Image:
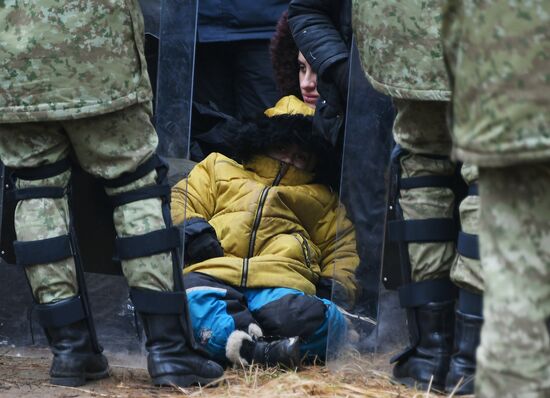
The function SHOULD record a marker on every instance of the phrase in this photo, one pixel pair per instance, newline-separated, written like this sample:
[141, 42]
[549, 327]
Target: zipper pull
[282, 171]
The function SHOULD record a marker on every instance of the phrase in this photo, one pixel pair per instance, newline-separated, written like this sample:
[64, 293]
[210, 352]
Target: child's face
[294, 155]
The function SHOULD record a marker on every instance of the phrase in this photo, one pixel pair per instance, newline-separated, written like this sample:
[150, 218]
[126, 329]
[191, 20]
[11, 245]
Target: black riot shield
[365, 160]
[170, 28]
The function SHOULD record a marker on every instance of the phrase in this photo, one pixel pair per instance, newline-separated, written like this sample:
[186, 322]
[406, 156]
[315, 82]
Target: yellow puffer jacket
[277, 228]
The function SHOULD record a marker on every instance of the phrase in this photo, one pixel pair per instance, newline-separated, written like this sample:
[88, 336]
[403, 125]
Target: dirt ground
[28, 377]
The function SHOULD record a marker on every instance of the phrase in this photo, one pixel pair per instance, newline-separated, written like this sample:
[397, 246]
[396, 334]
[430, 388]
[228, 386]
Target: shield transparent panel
[363, 194]
[174, 88]
[170, 28]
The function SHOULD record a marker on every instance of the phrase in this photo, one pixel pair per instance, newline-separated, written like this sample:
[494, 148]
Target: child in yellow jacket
[261, 250]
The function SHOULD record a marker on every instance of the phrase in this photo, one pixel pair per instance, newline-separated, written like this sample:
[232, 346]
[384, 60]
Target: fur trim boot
[245, 348]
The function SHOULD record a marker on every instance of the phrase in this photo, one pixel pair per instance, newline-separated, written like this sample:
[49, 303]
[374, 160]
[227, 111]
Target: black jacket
[233, 20]
[322, 31]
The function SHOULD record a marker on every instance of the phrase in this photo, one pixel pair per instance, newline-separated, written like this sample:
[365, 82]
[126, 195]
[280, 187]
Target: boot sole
[76, 381]
[181, 381]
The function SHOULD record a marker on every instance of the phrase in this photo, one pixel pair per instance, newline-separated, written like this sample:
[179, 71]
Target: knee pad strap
[145, 245]
[470, 303]
[43, 251]
[156, 302]
[429, 230]
[61, 313]
[44, 171]
[468, 245]
[153, 163]
[419, 293]
[38, 193]
[151, 192]
[39, 173]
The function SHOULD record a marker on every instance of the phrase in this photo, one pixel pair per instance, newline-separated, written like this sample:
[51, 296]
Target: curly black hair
[284, 59]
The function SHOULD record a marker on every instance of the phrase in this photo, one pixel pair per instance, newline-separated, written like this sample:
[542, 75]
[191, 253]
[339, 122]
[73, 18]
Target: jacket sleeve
[335, 237]
[195, 196]
[314, 31]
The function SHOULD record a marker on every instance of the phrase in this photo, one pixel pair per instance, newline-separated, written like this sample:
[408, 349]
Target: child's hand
[202, 247]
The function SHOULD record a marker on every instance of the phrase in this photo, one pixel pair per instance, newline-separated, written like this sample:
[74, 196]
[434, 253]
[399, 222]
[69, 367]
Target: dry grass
[356, 377]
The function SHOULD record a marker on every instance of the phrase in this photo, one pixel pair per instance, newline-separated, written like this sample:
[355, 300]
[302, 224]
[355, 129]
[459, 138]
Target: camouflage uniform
[73, 80]
[498, 56]
[97, 103]
[402, 56]
[106, 146]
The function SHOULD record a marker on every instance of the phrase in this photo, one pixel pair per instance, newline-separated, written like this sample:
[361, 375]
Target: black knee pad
[156, 242]
[400, 232]
[51, 250]
[45, 250]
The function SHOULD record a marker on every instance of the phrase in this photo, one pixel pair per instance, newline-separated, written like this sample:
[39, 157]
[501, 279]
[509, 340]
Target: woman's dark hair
[284, 58]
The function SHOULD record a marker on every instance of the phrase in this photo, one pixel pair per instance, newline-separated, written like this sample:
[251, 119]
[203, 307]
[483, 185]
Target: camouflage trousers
[421, 128]
[513, 359]
[106, 146]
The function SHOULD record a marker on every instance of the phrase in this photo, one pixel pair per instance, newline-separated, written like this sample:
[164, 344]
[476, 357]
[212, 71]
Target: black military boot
[462, 369]
[173, 357]
[245, 349]
[429, 357]
[75, 359]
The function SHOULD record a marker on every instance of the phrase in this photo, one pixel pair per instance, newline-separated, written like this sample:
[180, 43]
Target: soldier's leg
[426, 233]
[119, 148]
[466, 273]
[47, 248]
[514, 356]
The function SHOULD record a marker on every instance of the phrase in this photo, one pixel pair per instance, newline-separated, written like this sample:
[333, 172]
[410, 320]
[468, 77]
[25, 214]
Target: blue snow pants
[217, 309]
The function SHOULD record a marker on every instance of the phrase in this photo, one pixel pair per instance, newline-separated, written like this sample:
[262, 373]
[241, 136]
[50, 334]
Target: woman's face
[308, 82]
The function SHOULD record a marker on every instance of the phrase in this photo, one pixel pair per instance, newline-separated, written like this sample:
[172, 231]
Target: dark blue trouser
[218, 309]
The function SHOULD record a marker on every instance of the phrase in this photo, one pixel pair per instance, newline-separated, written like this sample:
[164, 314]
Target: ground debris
[358, 377]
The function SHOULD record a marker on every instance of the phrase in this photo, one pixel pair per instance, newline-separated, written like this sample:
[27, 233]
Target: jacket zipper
[305, 250]
[263, 196]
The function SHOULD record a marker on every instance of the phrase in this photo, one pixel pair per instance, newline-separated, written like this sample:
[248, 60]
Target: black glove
[330, 289]
[202, 247]
[324, 288]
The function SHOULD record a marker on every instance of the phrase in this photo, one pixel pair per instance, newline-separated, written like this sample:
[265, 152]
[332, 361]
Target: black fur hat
[289, 121]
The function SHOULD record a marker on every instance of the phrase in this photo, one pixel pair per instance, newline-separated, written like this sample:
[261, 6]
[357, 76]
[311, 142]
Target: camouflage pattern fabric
[420, 127]
[498, 56]
[467, 272]
[513, 359]
[105, 146]
[41, 219]
[63, 60]
[400, 47]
